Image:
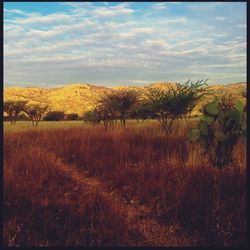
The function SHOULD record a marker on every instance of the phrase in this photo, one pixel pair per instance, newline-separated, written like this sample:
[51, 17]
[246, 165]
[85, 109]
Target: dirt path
[154, 233]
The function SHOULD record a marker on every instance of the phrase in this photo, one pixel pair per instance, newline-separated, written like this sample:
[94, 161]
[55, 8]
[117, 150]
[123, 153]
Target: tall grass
[166, 175]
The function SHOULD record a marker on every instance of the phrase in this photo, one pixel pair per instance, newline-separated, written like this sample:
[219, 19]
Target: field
[74, 184]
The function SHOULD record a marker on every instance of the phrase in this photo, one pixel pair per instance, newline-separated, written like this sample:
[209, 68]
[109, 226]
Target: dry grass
[130, 187]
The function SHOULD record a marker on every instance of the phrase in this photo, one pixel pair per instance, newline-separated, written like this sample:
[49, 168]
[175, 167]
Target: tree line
[20, 110]
[164, 105]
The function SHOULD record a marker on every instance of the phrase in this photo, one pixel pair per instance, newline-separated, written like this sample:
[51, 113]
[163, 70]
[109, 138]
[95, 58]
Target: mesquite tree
[13, 109]
[175, 102]
[142, 111]
[118, 104]
[92, 116]
[35, 113]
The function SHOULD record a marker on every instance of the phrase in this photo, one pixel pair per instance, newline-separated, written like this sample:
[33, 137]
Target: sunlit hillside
[69, 98]
[81, 97]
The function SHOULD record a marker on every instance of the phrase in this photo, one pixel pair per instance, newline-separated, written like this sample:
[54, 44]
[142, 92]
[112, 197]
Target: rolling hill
[80, 97]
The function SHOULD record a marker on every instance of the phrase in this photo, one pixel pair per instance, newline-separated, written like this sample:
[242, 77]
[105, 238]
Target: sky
[48, 44]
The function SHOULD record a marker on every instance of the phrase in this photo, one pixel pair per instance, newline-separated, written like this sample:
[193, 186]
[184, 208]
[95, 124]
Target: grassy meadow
[73, 184]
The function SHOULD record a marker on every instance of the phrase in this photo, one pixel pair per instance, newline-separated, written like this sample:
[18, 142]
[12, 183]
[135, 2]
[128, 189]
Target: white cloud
[172, 20]
[142, 30]
[241, 26]
[140, 82]
[221, 34]
[20, 12]
[220, 18]
[52, 18]
[160, 6]
[113, 10]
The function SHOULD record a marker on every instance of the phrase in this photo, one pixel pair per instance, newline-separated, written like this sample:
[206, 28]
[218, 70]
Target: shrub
[22, 117]
[92, 116]
[54, 116]
[72, 116]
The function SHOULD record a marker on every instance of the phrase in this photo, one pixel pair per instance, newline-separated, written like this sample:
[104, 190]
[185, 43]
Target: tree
[13, 109]
[35, 112]
[118, 104]
[8, 108]
[93, 116]
[174, 103]
[72, 116]
[54, 116]
[142, 111]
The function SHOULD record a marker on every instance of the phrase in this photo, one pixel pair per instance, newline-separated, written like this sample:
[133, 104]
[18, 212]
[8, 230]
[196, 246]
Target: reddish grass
[164, 174]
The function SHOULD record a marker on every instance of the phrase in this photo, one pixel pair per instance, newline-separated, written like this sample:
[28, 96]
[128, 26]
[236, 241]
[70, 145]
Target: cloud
[120, 43]
[172, 20]
[160, 6]
[220, 18]
[142, 30]
[52, 18]
[243, 26]
[20, 12]
[113, 10]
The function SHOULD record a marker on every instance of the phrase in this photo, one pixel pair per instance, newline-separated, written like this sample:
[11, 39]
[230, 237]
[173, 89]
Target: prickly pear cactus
[219, 129]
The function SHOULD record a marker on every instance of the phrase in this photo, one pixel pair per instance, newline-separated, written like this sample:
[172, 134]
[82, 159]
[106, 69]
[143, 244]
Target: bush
[54, 116]
[92, 116]
[72, 116]
[22, 117]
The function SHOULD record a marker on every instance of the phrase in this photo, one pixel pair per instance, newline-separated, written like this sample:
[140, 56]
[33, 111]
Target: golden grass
[82, 186]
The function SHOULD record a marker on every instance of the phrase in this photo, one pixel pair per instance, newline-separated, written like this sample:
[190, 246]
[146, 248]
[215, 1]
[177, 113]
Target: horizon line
[115, 86]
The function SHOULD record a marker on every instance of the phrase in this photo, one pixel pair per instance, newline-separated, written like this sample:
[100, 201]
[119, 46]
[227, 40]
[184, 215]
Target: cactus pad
[239, 106]
[209, 119]
[194, 135]
[212, 109]
[203, 128]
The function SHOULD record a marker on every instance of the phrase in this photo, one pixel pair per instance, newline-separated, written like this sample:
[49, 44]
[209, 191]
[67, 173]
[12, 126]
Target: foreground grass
[129, 187]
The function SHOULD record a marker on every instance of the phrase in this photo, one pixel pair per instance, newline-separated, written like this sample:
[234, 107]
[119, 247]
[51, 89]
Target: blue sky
[130, 43]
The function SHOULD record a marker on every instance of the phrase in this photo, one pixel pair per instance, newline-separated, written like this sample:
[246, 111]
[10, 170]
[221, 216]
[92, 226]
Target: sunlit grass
[27, 125]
